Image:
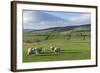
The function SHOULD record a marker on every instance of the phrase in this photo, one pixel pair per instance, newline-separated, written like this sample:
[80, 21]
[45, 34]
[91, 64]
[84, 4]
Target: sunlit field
[73, 47]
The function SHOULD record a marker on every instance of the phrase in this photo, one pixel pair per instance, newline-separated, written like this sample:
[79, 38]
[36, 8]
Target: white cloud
[82, 19]
[35, 20]
[29, 16]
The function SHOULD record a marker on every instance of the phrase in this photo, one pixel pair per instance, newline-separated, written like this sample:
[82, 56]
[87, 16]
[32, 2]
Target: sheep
[34, 51]
[30, 51]
[52, 48]
[55, 50]
[37, 51]
[40, 50]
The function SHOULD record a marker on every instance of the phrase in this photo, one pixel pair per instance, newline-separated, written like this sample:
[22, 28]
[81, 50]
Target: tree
[47, 37]
[69, 36]
[83, 35]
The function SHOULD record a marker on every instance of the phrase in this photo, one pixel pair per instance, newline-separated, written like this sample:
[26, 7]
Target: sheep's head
[52, 48]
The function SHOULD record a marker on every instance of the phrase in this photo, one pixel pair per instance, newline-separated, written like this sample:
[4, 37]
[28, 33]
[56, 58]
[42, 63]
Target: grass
[74, 49]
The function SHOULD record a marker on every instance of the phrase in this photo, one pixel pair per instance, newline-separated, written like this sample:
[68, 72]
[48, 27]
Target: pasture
[73, 47]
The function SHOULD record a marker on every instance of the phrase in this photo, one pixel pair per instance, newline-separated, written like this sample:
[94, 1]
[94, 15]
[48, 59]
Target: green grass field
[75, 48]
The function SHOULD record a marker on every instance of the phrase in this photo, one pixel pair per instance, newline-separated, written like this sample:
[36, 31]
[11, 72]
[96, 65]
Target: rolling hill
[61, 29]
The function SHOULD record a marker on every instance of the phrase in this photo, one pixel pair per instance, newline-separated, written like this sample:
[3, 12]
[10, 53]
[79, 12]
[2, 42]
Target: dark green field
[75, 45]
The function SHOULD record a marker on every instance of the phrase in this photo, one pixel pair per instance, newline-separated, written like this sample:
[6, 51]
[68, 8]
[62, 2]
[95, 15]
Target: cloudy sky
[33, 19]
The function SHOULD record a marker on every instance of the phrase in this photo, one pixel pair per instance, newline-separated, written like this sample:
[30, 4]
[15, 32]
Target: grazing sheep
[52, 48]
[34, 51]
[40, 50]
[29, 51]
[57, 50]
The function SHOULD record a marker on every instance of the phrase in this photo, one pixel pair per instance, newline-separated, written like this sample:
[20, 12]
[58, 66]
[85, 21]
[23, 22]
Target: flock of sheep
[40, 50]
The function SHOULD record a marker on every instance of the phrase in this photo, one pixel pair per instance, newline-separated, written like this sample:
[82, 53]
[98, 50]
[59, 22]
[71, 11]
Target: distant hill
[85, 27]
[27, 30]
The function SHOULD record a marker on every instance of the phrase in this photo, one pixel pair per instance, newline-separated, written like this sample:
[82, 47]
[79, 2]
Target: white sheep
[34, 51]
[52, 48]
[55, 50]
[29, 51]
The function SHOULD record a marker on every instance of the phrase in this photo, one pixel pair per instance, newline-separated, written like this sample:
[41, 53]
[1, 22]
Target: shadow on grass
[53, 54]
[70, 52]
[46, 54]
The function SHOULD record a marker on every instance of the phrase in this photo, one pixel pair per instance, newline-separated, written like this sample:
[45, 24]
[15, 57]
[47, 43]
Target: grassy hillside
[74, 44]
